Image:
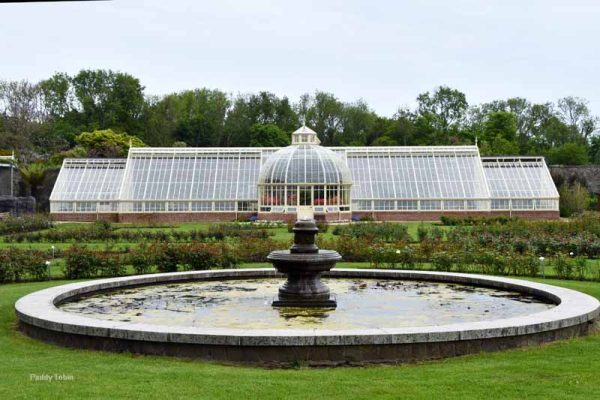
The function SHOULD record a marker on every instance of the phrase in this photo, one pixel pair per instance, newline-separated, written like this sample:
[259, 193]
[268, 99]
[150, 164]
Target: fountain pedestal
[303, 264]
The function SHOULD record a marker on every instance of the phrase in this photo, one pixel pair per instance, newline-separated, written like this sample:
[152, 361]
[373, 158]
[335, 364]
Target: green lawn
[563, 370]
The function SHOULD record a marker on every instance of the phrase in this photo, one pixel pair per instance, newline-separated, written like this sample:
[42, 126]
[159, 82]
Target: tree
[443, 111]
[200, 117]
[264, 108]
[568, 154]
[33, 175]
[21, 107]
[106, 143]
[108, 99]
[574, 112]
[268, 135]
[502, 124]
[58, 95]
[357, 122]
[324, 113]
[384, 140]
[499, 134]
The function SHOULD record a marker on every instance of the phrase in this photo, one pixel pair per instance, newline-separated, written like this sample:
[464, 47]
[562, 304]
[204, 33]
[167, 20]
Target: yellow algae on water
[362, 304]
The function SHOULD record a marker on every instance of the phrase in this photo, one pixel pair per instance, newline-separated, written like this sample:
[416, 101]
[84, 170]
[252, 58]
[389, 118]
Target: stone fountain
[303, 264]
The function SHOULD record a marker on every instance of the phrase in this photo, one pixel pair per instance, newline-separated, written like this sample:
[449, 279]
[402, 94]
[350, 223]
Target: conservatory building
[304, 179]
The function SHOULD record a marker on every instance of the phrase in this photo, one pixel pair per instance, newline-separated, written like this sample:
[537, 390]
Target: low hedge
[17, 265]
[26, 223]
[104, 231]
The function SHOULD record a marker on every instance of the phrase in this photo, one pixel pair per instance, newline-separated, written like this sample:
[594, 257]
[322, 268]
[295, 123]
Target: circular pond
[363, 304]
[382, 316]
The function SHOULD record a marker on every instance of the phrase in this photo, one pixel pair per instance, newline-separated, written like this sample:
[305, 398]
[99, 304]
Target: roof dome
[304, 162]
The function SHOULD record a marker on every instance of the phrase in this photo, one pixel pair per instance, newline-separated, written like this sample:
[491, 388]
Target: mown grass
[563, 370]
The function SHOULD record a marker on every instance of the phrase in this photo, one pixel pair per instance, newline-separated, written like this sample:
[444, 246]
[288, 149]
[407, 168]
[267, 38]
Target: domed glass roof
[304, 163]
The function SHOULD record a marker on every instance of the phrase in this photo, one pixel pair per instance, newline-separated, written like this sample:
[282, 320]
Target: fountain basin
[572, 316]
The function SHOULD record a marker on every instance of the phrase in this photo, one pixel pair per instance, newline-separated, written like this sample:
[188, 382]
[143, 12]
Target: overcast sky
[386, 52]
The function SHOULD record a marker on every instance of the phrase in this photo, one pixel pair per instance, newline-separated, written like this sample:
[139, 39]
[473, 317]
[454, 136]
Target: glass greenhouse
[303, 179]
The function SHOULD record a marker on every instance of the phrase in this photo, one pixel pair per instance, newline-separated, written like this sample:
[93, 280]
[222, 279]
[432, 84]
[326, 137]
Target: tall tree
[442, 111]
[109, 99]
[574, 112]
[325, 115]
[200, 116]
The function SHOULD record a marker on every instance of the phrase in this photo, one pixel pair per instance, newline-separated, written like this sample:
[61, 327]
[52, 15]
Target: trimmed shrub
[141, 259]
[386, 232]
[17, 264]
[80, 262]
[110, 266]
[166, 256]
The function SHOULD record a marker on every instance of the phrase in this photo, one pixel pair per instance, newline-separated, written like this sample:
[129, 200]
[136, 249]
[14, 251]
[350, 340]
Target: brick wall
[184, 217]
[85, 217]
[435, 215]
[290, 217]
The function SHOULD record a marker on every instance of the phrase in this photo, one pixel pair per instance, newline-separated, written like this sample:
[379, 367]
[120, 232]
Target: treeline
[42, 119]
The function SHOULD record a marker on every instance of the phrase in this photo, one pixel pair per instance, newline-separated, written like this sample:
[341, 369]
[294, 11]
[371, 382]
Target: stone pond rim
[303, 264]
[573, 316]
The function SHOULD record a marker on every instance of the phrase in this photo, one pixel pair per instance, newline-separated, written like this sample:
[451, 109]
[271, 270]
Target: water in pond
[362, 303]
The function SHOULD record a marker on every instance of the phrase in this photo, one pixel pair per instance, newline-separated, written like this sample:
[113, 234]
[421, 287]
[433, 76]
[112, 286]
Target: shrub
[457, 221]
[26, 223]
[323, 226]
[256, 250]
[574, 199]
[80, 262]
[166, 256]
[564, 266]
[406, 257]
[199, 256]
[436, 233]
[141, 259]
[387, 231]
[580, 267]
[422, 233]
[17, 264]
[531, 265]
[110, 266]
[441, 261]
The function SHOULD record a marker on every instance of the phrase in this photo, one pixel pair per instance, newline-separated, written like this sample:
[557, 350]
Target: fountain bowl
[572, 314]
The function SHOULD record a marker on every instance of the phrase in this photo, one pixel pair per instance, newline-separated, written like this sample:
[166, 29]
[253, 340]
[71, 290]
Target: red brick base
[153, 217]
[435, 215]
[85, 217]
[291, 217]
[185, 217]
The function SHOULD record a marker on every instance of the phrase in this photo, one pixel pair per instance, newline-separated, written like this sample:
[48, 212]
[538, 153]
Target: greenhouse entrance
[306, 212]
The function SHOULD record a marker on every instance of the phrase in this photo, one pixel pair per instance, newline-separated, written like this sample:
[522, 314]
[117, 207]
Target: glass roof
[89, 179]
[305, 163]
[194, 174]
[518, 177]
[420, 173]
